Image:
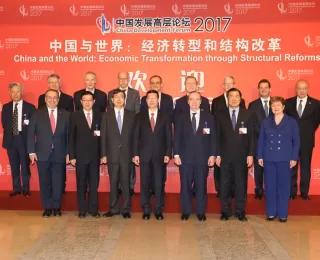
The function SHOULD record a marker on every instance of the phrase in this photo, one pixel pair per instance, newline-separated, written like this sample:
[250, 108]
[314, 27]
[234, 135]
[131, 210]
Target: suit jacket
[6, 120]
[117, 147]
[219, 104]
[279, 143]
[100, 97]
[132, 100]
[183, 106]
[233, 146]
[257, 107]
[65, 102]
[41, 138]
[308, 122]
[194, 149]
[153, 145]
[166, 104]
[84, 146]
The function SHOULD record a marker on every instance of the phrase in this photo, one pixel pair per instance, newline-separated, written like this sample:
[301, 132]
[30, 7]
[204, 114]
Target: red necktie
[52, 122]
[152, 122]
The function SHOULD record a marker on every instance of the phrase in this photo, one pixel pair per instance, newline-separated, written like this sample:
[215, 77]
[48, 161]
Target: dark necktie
[152, 122]
[300, 108]
[194, 123]
[233, 119]
[266, 109]
[15, 130]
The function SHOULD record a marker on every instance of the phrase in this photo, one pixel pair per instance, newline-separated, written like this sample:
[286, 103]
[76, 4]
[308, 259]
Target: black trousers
[216, 176]
[50, 179]
[152, 171]
[119, 173]
[88, 175]
[18, 156]
[305, 157]
[238, 172]
[152, 182]
[258, 178]
[198, 175]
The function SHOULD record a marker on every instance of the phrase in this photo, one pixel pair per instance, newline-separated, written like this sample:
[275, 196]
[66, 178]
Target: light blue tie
[119, 122]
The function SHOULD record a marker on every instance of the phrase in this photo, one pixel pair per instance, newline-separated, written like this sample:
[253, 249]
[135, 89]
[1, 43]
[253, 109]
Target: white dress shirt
[197, 117]
[55, 114]
[91, 90]
[116, 111]
[304, 103]
[154, 116]
[19, 107]
[263, 99]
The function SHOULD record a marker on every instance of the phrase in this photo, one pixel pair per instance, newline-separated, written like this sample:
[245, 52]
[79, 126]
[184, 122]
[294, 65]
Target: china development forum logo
[103, 24]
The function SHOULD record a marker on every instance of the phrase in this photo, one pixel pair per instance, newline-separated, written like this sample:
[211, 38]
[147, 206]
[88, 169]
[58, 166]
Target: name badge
[243, 130]
[96, 133]
[206, 131]
[26, 122]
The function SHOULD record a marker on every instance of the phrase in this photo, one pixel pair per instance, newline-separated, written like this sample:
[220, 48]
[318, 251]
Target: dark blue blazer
[166, 104]
[279, 143]
[194, 149]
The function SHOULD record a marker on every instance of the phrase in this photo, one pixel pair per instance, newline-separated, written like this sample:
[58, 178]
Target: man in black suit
[305, 110]
[261, 109]
[165, 106]
[84, 154]
[100, 97]
[152, 150]
[220, 103]
[15, 122]
[235, 150]
[48, 145]
[132, 103]
[117, 128]
[194, 150]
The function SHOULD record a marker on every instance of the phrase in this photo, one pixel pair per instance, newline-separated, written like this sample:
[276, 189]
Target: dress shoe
[81, 215]
[292, 197]
[232, 195]
[126, 215]
[110, 214]
[185, 216]
[271, 218]
[305, 196]
[258, 197]
[26, 193]
[283, 220]
[57, 212]
[47, 213]
[218, 195]
[193, 194]
[152, 193]
[119, 191]
[224, 217]
[146, 216]
[132, 193]
[14, 193]
[95, 214]
[201, 217]
[159, 216]
[242, 217]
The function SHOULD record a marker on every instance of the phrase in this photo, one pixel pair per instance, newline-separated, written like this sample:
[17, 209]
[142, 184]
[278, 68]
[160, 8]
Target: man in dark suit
[235, 150]
[194, 150]
[165, 106]
[100, 97]
[84, 154]
[261, 109]
[48, 145]
[15, 122]
[65, 101]
[117, 128]
[305, 110]
[132, 103]
[220, 103]
[152, 150]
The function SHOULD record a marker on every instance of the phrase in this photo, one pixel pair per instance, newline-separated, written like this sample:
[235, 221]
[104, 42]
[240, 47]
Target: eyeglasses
[86, 100]
[52, 98]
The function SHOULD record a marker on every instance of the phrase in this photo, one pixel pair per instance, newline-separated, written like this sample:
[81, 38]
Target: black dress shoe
[232, 195]
[26, 193]
[242, 217]
[14, 193]
[57, 212]
[185, 216]
[47, 213]
[201, 217]
[305, 196]
[110, 214]
[193, 194]
[132, 193]
[126, 215]
[95, 214]
[258, 197]
[81, 215]
[271, 218]
[292, 197]
[152, 193]
[218, 195]
[159, 216]
[146, 216]
[224, 217]
[119, 191]
[283, 220]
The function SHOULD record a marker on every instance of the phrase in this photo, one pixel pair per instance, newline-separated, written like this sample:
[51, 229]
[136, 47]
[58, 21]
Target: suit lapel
[84, 119]
[47, 119]
[24, 112]
[306, 108]
[115, 123]
[227, 114]
[11, 111]
[158, 121]
[239, 119]
[128, 97]
[201, 123]
[295, 107]
[223, 103]
[124, 122]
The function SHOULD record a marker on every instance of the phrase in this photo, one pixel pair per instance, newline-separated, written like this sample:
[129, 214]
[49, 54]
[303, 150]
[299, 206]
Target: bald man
[306, 111]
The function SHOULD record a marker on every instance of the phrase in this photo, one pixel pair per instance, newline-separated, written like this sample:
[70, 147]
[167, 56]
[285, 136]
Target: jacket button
[271, 141]
[279, 142]
[279, 135]
[278, 148]
[120, 146]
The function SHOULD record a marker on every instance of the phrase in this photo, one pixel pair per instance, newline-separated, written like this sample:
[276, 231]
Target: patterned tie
[194, 123]
[89, 120]
[234, 120]
[152, 122]
[52, 122]
[15, 130]
[119, 121]
[300, 108]
[266, 109]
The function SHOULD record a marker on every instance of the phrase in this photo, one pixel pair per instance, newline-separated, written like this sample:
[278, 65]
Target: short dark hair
[264, 81]
[234, 90]
[117, 91]
[154, 92]
[87, 93]
[194, 92]
[156, 76]
[51, 90]
[277, 99]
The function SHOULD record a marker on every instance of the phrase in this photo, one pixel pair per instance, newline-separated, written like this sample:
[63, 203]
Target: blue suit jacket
[278, 143]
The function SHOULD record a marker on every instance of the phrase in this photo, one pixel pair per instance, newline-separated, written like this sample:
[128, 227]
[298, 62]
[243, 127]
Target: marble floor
[26, 235]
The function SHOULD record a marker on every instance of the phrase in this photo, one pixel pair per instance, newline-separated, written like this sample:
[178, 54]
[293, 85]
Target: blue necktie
[266, 109]
[119, 121]
[233, 119]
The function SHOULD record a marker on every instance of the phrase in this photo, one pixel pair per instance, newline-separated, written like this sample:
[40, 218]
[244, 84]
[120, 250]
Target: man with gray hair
[15, 121]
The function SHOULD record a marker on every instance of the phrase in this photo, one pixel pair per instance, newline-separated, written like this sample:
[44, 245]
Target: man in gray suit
[132, 103]
[47, 143]
[117, 128]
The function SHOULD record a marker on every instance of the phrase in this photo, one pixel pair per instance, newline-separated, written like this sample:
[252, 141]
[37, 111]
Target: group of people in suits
[118, 130]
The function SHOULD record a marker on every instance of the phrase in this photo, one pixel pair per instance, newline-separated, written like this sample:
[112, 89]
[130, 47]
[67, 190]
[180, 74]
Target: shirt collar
[236, 109]
[304, 99]
[85, 112]
[117, 110]
[19, 103]
[155, 112]
[263, 99]
[191, 112]
[91, 90]
[54, 109]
